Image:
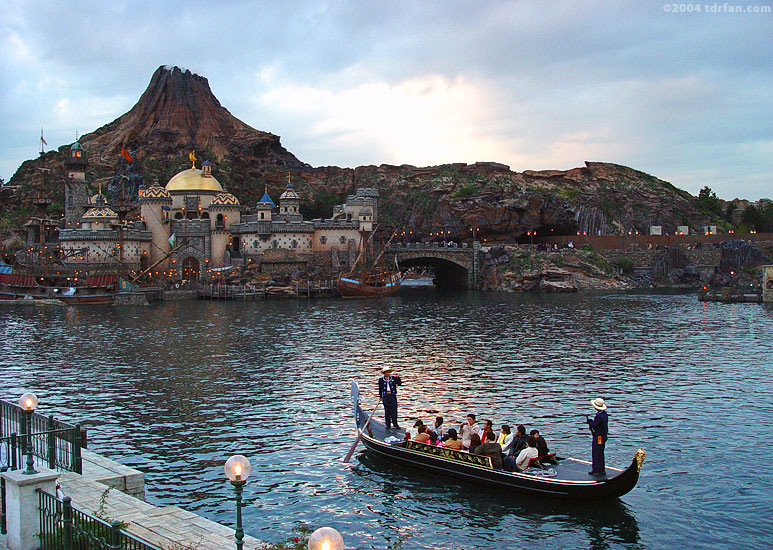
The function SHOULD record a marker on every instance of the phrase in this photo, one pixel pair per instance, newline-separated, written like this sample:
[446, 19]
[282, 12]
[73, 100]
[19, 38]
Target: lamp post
[326, 538]
[237, 470]
[28, 402]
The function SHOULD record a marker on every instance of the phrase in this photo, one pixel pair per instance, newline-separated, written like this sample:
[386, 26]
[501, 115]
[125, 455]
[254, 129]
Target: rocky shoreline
[516, 268]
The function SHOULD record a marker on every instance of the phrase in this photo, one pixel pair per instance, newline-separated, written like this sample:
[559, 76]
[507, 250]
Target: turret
[75, 190]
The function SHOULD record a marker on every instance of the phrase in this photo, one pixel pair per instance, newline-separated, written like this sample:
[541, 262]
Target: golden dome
[192, 180]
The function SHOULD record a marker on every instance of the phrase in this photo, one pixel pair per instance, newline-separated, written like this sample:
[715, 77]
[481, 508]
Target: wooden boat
[369, 283]
[374, 285]
[567, 479]
[26, 284]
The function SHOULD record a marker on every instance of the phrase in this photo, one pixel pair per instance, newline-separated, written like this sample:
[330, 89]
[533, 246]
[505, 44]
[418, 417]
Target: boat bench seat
[538, 461]
[450, 454]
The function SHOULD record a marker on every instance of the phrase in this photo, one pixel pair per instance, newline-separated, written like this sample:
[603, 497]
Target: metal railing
[58, 444]
[64, 527]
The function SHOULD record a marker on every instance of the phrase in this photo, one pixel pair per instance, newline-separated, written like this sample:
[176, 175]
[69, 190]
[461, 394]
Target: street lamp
[237, 470]
[326, 538]
[28, 402]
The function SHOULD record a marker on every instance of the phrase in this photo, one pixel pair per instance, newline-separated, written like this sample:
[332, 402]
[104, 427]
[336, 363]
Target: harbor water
[176, 388]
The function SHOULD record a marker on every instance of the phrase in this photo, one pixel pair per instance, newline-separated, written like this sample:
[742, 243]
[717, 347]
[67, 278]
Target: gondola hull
[569, 479]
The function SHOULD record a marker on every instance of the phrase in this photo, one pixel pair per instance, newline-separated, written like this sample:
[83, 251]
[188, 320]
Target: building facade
[192, 225]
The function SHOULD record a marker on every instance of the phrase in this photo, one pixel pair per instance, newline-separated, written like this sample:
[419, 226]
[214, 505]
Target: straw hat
[386, 370]
[598, 404]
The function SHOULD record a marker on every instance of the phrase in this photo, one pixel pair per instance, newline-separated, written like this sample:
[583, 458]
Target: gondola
[564, 479]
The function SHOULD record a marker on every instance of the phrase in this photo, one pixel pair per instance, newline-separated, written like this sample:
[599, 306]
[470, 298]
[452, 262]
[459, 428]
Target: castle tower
[289, 203]
[76, 187]
[224, 211]
[264, 207]
[155, 204]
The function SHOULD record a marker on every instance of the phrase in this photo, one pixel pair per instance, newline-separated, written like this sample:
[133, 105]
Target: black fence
[64, 527]
[57, 444]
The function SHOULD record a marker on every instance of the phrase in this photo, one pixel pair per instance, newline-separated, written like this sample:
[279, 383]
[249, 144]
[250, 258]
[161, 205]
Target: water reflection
[520, 517]
[181, 386]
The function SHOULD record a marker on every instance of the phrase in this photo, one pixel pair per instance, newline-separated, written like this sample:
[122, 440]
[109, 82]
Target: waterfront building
[192, 225]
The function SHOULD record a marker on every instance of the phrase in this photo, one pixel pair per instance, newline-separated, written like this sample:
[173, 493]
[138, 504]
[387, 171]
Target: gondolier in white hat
[387, 391]
[599, 427]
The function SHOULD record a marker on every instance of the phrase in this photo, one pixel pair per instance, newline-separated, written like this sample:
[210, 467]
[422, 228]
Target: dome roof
[365, 211]
[224, 199]
[155, 192]
[101, 212]
[76, 145]
[265, 201]
[289, 194]
[192, 180]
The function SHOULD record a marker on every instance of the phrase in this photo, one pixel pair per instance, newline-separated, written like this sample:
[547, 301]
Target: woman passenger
[422, 436]
[452, 441]
[474, 442]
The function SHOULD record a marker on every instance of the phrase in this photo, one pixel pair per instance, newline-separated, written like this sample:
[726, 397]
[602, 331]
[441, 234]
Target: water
[175, 389]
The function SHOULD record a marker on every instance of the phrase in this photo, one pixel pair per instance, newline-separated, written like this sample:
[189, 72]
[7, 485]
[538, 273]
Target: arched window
[262, 215]
[178, 216]
[219, 221]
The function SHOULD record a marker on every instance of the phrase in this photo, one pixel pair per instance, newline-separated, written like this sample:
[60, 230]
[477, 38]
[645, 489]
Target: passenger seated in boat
[474, 442]
[488, 427]
[466, 429]
[542, 446]
[491, 449]
[422, 436]
[413, 432]
[519, 441]
[438, 427]
[452, 441]
[433, 440]
[522, 462]
[506, 439]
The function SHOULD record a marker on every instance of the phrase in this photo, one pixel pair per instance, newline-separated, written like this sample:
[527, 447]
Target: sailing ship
[370, 281]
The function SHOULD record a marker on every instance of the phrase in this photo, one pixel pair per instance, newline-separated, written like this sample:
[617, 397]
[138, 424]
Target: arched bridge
[455, 265]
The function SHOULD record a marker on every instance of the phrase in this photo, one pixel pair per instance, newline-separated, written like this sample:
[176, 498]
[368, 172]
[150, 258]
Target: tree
[709, 203]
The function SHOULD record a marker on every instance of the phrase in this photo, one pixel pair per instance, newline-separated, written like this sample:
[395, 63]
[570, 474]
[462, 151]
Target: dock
[263, 291]
[729, 295]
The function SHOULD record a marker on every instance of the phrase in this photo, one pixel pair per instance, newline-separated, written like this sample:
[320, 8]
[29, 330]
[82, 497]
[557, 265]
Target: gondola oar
[348, 456]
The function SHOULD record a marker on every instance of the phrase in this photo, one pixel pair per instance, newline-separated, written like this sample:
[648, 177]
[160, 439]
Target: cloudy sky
[687, 97]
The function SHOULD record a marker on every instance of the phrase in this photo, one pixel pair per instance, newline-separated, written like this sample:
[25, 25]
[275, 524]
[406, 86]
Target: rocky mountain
[178, 113]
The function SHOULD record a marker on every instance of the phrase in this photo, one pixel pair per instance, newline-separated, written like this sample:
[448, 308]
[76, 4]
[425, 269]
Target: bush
[465, 191]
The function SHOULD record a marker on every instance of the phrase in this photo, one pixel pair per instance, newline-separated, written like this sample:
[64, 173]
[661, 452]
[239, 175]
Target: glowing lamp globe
[326, 538]
[28, 401]
[237, 468]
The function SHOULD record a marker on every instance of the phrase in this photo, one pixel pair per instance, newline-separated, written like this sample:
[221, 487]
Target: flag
[43, 141]
[172, 238]
[126, 154]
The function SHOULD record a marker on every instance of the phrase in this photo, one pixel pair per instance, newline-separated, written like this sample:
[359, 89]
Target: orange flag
[126, 154]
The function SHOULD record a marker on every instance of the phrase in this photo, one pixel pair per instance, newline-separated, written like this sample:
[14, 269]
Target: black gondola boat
[566, 479]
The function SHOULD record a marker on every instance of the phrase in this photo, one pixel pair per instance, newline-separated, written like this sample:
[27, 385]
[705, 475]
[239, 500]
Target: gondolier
[599, 427]
[387, 391]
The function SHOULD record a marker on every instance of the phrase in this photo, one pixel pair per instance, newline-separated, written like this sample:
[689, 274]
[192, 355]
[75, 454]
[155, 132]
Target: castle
[192, 226]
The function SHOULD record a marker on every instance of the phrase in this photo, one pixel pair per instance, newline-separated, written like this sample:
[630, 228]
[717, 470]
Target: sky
[681, 91]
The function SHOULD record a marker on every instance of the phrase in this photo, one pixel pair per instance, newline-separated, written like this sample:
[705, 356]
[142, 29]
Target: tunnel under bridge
[455, 266]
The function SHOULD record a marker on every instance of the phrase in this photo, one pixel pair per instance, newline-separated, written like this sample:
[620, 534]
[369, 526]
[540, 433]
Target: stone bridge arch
[454, 267]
